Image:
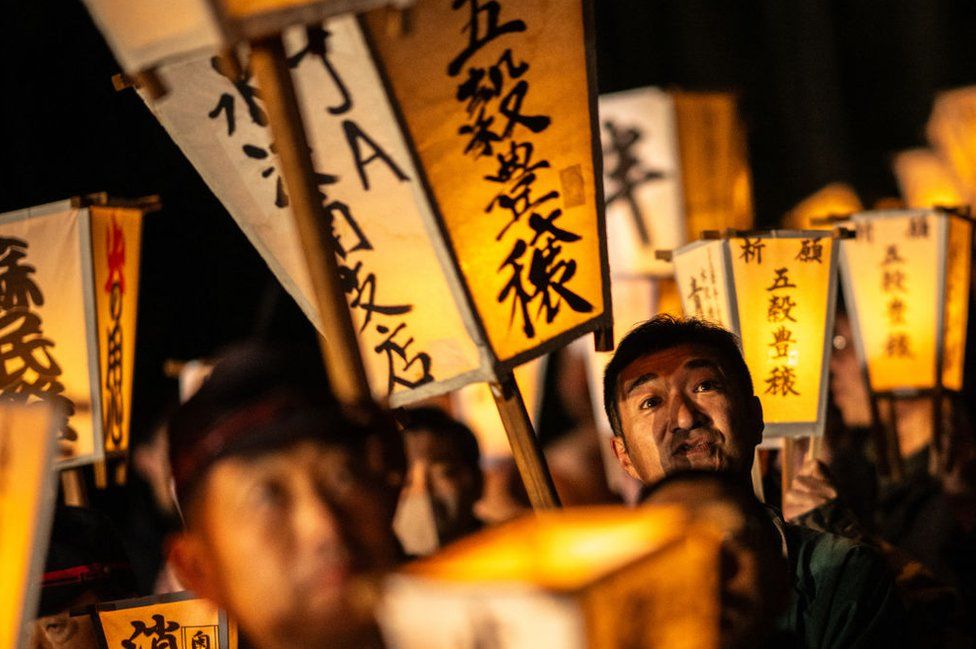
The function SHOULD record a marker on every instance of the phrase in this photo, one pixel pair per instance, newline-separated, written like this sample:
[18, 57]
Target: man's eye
[271, 494]
[708, 386]
[650, 402]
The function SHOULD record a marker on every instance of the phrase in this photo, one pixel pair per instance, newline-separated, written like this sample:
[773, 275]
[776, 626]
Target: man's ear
[623, 456]
[194, 565]
[754, 420]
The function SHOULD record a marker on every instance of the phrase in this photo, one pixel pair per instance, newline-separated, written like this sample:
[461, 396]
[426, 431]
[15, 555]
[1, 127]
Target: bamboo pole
[340, 347]
[73, 487]
[787, 463]
[529, 459]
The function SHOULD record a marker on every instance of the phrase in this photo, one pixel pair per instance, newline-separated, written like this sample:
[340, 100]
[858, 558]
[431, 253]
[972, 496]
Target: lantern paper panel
[893, 287]
[497, 100]
[703, 279]
[926, 181]
[717, 183]
[176, 621]
[116, 236]
[785, 299]
[952, 131]
[956, 313]
[641, 180]
[596, 578]
[27, 499]
[413, 336]
[147, 33]
[47, 307]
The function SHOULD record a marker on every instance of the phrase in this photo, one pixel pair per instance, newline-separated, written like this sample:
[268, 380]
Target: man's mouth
[696, 448]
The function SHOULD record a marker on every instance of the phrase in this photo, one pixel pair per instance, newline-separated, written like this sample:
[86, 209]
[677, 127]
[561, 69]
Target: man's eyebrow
[639, 381]
[699, 363]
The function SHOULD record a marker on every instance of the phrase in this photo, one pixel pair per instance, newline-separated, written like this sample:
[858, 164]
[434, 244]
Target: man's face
[678, 411]
[846, 378]
[63, 631]
[437, 470]
[279, 540]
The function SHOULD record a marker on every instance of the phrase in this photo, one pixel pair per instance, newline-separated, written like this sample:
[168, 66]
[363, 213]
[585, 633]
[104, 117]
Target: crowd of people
[290, 508]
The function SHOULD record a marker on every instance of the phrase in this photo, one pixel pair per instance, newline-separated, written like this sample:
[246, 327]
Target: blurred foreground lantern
[174, 621]
[27, 492]
[926, 181]
[584, 578]
[69, 290]
[952, 131]
[776, 291]
[906, 287]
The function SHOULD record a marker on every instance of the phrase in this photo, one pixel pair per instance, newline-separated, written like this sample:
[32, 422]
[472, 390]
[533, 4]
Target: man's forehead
[665, 362]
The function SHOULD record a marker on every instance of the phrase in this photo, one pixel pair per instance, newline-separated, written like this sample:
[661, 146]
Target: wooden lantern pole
[529, 459]
[340, 347]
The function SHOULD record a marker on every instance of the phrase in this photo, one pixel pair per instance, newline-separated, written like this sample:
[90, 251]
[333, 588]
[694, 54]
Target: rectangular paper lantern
[777, 292]
[69, 283]
[173, 621]
[641, 180]
[597, 578]
[27, 492]
[906, 286]
[498, 100]
[420, 331]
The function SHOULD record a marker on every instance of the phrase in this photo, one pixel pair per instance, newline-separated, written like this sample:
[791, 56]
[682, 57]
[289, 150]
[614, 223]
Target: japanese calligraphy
[28, 370]
[380, 318]
[811, 250]
[159, 635]
[628, 174]
[894, 285]
[752, 250]
[115, 287]
[537, 269]
[781, 379]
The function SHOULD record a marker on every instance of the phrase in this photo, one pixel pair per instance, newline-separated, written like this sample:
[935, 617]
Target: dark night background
[829, 91]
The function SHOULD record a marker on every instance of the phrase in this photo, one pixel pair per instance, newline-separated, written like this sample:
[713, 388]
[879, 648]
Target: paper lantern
[776, 291]
[69, 290]
[926, 181]
[458, 265]
[835, 199]
[906, 287]
[641, 180]
[715, 172]
[597, 578]
[27, 493]
[174, 621]
[952, 131]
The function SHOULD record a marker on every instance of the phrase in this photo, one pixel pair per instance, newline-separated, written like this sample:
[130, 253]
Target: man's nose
[316, 521]
[685, 413]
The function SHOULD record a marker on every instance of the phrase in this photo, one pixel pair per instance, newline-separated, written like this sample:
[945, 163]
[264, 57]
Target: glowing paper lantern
[835, 199]
[641, 180]
[70, 286]
[952, 131]
[776, 291]
[27, 492]
[906, 286]
[443, 289]
[176, 620]
[594, 577]
[926, 181]
[714, 162]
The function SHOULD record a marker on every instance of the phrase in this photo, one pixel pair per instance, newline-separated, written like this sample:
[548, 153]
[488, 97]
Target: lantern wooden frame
[785, 430]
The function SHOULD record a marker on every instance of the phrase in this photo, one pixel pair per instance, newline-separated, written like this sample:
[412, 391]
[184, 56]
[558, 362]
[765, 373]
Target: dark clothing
[844, 595]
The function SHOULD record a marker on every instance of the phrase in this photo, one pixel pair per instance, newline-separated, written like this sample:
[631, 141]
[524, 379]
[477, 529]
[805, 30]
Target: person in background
[679, 396]
[85, 565]
[442, 484]
[754, 581]
[286, 519]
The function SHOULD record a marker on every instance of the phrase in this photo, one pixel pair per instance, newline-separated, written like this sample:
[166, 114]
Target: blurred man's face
[846, 378]
[61, 631]
[754, 583]
[678, 411]
[279, 540]
[438, 471]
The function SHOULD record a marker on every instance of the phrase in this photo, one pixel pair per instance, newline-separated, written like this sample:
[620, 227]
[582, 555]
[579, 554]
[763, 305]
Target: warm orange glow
[925, 180]
[835, 199]
[26, 503]
[701, 274]
[714, 164]
[196, 618]
[952, 131]
[784, 311]
[552, 44]
[958, 268]
[116, 254]
[891, 275]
